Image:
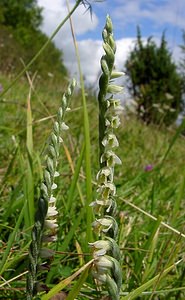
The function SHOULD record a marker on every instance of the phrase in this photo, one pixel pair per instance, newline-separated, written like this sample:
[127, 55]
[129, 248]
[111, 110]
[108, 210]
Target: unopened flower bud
[116, 74]
[114, 89]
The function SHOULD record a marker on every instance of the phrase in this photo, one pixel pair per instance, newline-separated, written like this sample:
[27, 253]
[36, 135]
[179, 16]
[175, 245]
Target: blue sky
[153, 17]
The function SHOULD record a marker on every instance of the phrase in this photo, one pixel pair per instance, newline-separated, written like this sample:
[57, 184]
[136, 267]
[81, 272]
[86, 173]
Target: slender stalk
[87, 141]
[61, 285]
[45, 226]
[107, 269]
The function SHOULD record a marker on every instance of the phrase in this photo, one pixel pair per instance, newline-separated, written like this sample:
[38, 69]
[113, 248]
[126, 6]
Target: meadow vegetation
[150, 199]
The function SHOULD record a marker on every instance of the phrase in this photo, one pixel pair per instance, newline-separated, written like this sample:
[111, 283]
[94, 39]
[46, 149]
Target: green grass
[149, 249]
[150, 203]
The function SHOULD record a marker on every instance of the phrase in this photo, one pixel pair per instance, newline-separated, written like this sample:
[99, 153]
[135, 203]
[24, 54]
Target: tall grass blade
[29, 175]
[176, 135]
[76, 289]
[150, 261]
[29, 135]
[87, 142]
[137, 292]
[74, 181]
[178, 200]
[153, 218]
[72, 231]
[9, 169]
[28, 189]
[80, 253]
[61, 285]
[22, 254]
[3, 264]
[147, 246]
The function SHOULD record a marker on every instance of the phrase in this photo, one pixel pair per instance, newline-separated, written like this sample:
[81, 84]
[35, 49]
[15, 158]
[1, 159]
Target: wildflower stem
[87, 140]
[45, 217]
[106, 253]
[107, 63]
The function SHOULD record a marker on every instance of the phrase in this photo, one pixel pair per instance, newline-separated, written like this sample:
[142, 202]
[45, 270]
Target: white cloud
[91, 50]
[124, 46]
[176, 54]
[82, 23]
[165, 12]
[90, 54]
[56, 11]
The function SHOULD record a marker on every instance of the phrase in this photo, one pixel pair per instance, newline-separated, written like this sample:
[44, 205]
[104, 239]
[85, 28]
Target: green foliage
[10, 51]
[158, 192]
[154, 82]
[21, 39]
[150, 202]
[22, 13]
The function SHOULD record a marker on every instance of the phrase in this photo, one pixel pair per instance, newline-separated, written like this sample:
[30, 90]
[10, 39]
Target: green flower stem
[106, 267]
[107, 63]
[45, 217]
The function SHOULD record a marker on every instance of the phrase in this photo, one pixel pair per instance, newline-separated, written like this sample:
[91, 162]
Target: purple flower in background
[148, 168]
[1, 88]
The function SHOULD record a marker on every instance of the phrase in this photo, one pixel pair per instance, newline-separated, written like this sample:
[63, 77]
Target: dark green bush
[154, 82]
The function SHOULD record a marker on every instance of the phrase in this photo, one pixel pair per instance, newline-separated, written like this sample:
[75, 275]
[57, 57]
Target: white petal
[56, 174]
[110, 140]
[54, 186]
[52, 199]
[117, 160]
[52, 224]
[52, 211]
[64, 126]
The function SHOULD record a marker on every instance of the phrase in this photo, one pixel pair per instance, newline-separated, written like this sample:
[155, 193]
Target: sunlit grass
[147, 246]
[150, 196]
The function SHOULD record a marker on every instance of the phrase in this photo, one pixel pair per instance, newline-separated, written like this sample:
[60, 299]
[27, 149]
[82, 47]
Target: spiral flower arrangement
[45, 227]
[106, 268]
